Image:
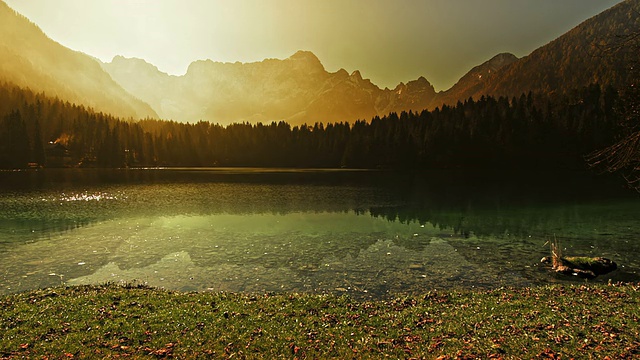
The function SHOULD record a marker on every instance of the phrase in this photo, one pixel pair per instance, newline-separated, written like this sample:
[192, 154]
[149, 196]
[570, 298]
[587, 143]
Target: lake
[369, 234]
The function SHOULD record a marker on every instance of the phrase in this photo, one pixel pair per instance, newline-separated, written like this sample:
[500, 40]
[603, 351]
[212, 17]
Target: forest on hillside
[530, 131]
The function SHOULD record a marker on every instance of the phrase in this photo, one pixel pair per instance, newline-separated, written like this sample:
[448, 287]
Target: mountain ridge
[298, 89]
[576, 59]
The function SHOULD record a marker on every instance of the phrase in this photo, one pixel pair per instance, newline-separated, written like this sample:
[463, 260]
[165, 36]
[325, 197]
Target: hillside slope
[576, 59]
[28, 58]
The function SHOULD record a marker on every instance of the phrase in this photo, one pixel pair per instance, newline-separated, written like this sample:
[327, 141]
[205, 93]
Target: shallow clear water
[365, 233]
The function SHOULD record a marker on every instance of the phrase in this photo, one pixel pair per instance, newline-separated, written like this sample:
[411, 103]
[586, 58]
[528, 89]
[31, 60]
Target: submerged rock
[584, 267]
[598, 265]
[565, 270]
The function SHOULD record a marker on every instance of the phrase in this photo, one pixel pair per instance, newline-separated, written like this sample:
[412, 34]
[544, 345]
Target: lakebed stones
[583, 267]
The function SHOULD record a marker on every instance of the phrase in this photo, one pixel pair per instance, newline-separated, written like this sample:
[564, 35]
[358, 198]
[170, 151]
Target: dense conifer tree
[15, 151]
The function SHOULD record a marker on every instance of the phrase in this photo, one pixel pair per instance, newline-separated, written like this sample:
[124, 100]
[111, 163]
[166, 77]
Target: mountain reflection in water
[366, 233]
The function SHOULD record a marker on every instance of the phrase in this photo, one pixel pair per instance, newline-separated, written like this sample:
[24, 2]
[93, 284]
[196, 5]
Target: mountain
[475, 80]
[574, 60]
[297, 89]
[28, 58]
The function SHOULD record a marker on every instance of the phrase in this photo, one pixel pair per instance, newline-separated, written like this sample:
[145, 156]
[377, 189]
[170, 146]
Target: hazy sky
[387, 40]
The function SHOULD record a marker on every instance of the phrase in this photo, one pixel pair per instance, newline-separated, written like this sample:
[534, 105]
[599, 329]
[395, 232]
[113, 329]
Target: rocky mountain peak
[341, 74]
[304, 55]
[132, 65]
[356, 76]
[501, 60]
[420, 84]
[199, 67]
[306, 59]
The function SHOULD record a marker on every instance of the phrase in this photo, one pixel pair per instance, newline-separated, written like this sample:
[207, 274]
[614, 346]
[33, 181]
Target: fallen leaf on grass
[166, 351]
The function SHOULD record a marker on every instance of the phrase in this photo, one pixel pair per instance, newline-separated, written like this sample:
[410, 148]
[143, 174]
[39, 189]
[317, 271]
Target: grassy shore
[589, 321]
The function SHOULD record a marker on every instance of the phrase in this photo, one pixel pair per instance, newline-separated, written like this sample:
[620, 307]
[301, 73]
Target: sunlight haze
[388, 42]
[324, 179]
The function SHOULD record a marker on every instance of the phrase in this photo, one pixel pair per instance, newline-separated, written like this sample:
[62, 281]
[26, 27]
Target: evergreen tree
[15, 140]
[38, 154]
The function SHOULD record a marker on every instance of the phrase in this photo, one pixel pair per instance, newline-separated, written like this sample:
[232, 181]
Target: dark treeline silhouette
[530, 131]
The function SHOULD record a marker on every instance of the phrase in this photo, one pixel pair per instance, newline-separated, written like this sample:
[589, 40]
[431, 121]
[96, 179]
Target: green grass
[589, 321]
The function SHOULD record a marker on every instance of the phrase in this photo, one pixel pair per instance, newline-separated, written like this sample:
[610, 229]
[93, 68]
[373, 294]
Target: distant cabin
[57, 155]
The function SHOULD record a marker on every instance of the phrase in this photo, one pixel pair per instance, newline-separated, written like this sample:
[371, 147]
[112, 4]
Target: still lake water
[366, 233]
